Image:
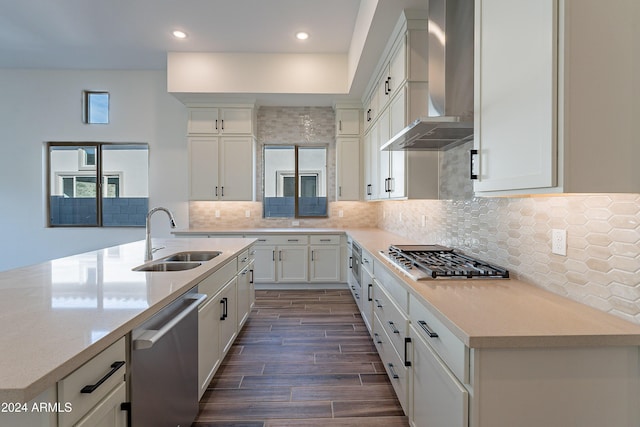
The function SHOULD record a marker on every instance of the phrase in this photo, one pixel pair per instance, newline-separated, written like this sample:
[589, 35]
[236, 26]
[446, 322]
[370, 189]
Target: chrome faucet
[149, 250]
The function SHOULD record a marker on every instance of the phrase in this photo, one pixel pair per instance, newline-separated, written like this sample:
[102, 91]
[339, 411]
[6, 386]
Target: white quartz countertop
[57, 315]
[505, 313]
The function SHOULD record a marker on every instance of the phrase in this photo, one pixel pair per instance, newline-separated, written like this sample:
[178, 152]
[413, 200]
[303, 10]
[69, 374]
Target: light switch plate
[559, 242]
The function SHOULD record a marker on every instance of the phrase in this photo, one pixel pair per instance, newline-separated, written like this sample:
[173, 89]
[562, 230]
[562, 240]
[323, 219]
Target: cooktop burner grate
[434, 261]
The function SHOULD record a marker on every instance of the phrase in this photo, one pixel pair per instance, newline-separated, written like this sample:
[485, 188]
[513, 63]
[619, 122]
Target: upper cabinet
[347, 122]
[555, 99]
[396, 96]
[225, 121]
[221, 153]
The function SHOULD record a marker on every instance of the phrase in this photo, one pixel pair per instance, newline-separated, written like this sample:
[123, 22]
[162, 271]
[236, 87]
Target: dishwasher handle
[150, 337]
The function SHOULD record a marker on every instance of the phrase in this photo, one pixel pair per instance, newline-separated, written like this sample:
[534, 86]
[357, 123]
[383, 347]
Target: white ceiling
[136, 34]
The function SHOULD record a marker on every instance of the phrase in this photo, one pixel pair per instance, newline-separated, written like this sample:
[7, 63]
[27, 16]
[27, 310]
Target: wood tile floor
[304, 358]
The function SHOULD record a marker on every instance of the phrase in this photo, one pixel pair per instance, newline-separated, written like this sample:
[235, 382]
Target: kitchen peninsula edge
[57, 315]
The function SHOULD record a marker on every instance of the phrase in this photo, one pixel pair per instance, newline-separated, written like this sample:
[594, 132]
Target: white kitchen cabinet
[221, 168]
[21, 414]
[556, 102]
[108, 413]
[246, 294]
[325, 263]
[399, 90]
[292, 263]
[347, 122]
[210, 344]
[366, 278]
[214, 121]
[348, 168]
[439, 399]
[281, 259]
[228, 301]
[265, 264]
[288, 259]
[209, 355]
[96, 389]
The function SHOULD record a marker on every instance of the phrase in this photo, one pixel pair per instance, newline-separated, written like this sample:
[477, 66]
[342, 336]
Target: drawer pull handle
[378, 303]
[377, 337]
[251, 279]
[325, 240]
[350, 262]
[407, 341]
[393, 327]
[393, 371]
[262, 240]
[425, 327]
[357, 295]
[292, 240]
[223, 301]
[91, 388]
[369, 289]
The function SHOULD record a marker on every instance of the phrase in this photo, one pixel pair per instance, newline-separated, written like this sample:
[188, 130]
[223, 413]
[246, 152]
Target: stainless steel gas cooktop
[422, 262]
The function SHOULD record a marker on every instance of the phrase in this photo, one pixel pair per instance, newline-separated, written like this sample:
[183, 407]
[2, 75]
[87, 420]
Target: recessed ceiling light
[179, 34]
[301, 35]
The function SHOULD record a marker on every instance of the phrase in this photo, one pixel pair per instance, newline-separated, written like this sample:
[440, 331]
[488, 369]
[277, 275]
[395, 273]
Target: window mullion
[99, 185]
[296, 186]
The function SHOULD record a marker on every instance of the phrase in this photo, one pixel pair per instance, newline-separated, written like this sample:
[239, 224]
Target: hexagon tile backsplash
[602, 266]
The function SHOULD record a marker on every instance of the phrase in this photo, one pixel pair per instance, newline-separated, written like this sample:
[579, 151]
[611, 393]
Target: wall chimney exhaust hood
[450, 100]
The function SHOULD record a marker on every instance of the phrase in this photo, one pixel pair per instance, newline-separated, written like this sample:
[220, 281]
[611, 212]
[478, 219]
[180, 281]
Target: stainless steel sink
[168, 266]
[193, 256]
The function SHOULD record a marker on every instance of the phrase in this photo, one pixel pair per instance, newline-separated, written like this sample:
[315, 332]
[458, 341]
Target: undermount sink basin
[168, 266]
[193, 256]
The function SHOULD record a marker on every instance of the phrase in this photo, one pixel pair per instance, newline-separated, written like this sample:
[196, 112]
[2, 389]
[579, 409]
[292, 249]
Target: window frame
[94, 171]
[297, 176]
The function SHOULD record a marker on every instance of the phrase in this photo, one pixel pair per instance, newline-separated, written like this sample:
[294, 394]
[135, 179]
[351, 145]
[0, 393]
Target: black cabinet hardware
[393, 371]
[407, 341]
[472, 157]
[224, 301]
[426, 328]
[92, 387]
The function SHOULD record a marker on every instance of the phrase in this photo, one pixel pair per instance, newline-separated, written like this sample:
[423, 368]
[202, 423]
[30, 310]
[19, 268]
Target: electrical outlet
[559, 242]
[400, 216]
[424, 221]
[247, 213]
[217, 213]
[340, 213]
[295, 223]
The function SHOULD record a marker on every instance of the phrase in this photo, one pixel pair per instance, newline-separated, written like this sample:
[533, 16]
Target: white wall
[45, 105]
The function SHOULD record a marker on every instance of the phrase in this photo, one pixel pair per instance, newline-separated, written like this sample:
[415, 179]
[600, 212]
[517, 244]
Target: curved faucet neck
[148, 248]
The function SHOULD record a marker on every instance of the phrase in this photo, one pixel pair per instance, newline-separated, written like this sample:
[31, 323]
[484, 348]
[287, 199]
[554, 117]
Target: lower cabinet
[96, 390]
[299, 258]
[440, 382]
[220, 317]
[438, 398]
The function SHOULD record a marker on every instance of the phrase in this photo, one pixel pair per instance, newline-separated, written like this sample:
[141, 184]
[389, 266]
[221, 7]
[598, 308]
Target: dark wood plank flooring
[304, 358]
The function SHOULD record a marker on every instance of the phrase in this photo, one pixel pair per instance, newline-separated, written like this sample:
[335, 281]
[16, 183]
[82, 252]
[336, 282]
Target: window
[97, 184]
[295, 181]
[95, 107]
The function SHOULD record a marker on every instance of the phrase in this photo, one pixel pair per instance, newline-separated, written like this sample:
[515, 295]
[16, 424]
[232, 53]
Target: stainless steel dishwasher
[164, 365]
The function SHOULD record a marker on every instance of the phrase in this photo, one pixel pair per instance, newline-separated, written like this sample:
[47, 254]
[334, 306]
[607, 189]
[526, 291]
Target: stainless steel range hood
[450, 99]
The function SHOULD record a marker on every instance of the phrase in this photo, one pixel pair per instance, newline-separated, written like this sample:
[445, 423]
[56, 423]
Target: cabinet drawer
[213, 283]
[245, 258]
[393, 363]
[367, 261]
[394, 322]
[392, 285]
[446, 345]
[292, 239]
[325, 240]
[96, 369]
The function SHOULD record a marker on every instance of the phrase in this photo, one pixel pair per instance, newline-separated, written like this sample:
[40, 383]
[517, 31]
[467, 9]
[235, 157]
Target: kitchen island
[57, 315]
